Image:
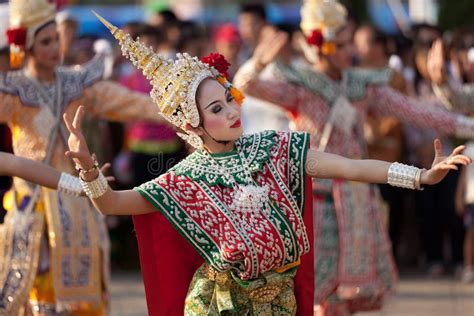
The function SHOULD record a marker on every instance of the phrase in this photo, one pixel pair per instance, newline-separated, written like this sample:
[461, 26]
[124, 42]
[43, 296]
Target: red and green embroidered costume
[242, 250]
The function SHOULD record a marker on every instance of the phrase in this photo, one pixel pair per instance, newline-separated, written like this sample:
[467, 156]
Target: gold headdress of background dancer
[174, 82]
[26, 18]
[320, 22]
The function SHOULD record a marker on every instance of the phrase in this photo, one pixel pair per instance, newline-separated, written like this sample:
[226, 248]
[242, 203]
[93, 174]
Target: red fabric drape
[168, 263]
[304, 280]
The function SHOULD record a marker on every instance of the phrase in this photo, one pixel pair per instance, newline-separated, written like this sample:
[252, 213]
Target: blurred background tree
[358, 8]
[455, 13]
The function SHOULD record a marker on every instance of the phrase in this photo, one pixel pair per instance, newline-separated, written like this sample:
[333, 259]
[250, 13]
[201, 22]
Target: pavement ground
[416, 296]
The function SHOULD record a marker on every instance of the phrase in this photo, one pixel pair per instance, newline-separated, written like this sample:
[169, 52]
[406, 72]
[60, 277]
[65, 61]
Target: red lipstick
[236, 124]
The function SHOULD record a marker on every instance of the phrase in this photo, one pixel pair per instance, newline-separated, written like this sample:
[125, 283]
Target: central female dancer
[238, 200]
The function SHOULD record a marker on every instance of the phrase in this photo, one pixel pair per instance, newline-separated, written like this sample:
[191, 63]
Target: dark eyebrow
[226, 95]
[213, 102]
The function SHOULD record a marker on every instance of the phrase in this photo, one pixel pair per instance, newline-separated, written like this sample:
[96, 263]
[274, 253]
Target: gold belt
[261, 295]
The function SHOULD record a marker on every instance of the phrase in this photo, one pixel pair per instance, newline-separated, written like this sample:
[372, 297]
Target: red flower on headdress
[17, 36]
[217, 61]
[316, 38]
[59, 3]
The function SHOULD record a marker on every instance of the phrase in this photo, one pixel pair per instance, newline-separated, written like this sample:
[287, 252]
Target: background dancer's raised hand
[436, 64]
[272, 42]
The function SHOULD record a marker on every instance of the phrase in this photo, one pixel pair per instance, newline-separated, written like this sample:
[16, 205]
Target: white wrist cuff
[95, 188]
[404, 176]
[69, 185]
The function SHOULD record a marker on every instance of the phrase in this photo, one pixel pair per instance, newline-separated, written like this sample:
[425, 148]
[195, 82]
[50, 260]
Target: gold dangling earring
[192, 139]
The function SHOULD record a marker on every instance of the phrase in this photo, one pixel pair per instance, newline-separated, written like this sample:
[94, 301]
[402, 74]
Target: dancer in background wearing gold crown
[353, 264]
[57, 259]
[238, 200]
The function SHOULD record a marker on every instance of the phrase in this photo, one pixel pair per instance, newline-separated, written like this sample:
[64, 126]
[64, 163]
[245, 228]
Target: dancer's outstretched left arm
[29, 170]
[41, 173]
[385, 101]
[325, 165]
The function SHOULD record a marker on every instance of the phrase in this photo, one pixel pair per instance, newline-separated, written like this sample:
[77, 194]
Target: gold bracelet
[86, 171]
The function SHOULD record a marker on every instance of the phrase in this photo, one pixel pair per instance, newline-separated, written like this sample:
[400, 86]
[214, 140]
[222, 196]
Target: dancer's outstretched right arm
[126, 202]
[9, 107]
[29, 170]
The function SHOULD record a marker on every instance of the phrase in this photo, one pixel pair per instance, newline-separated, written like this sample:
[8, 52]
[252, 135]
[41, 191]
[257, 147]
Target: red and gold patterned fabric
[195, 199]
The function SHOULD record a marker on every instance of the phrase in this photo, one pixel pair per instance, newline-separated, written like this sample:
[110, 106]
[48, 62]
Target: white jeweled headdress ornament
[174, 82]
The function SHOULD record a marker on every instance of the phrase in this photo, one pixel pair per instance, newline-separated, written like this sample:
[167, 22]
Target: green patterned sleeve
[159, 192]
[298, 146]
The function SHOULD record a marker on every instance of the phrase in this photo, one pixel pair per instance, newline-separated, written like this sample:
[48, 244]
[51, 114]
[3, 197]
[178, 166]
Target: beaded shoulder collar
[255, 148]
[357, 80]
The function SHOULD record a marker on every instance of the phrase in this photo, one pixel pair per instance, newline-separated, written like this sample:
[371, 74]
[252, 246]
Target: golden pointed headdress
[26, 17]
[325, 16]
[175, 82]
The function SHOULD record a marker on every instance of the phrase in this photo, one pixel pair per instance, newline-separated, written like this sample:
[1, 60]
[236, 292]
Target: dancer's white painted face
[220, 113]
